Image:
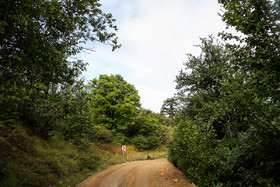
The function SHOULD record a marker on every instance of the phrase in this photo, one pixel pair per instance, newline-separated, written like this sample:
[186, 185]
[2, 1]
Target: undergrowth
[27, 160]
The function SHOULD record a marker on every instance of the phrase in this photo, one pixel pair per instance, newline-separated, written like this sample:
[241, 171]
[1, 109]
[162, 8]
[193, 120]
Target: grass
[27, 160]
[113, 154]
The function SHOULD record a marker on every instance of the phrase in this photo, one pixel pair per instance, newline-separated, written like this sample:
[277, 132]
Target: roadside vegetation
[227, 103]
[29, 160]
[78, 131]
[55, 129]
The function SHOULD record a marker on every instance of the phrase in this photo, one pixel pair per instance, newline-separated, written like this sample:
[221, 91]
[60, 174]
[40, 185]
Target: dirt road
[149, 173]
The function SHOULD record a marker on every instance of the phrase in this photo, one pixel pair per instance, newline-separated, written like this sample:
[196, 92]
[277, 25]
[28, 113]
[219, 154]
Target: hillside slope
[27, 160]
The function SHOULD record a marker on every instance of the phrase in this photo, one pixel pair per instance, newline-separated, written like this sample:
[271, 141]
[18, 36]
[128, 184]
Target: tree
[200, 85]
[202, 117]
[149, 130]
[37, 38]
[114, 102]
[258, 59]
[77, 119]
[229, 128]
[258, 47]
[169, 108]
[145, 122]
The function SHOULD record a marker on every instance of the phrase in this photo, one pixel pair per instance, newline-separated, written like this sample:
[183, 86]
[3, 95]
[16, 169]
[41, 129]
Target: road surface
[148, 173]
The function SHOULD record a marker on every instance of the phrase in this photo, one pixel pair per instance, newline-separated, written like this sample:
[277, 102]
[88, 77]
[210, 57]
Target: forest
[221, 128]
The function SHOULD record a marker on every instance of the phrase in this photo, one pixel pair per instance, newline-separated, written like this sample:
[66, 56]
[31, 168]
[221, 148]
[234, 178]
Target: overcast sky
[155, 35]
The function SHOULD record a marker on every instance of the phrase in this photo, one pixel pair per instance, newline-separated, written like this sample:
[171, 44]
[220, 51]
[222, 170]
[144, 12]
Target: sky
[155, 36]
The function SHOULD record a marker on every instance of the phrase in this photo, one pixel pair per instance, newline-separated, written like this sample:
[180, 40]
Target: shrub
[100, 133]
[120, 138]
[145, 142]
[30, 161]
[254, 161]
[194, 152]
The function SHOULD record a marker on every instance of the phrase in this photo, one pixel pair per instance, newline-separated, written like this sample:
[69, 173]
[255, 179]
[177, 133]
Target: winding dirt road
[149, 173]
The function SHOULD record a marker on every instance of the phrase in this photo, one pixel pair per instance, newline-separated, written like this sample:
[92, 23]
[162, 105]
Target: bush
[145, 142]
[250, 159]
[88, 162]
[100, 133]
[193, 151]
[30, 161]
[254, 161]
[120, 138]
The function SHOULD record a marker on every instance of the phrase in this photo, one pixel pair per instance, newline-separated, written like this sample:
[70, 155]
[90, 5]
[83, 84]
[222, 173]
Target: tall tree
[169, 107]
[37, 38]
[114, 102]
[229, 130]
[76, 115]
[258, 60]
[258, 50]
[199, 85]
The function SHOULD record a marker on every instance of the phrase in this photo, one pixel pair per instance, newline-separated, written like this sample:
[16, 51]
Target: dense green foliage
[115, 106]
[169, 108]
[228, 127]
[40, 96]
[30, 161]
[149, 130]
[37, 38]
[48, 116]
[114, 102]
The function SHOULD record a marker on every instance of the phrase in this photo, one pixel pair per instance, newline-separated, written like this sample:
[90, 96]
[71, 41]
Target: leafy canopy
[114, 101]
[37, 40]
[37, 37]
[229, 129]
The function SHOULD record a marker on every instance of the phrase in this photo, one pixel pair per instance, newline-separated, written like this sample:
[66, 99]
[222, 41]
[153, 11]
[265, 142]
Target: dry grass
[113, 154]
[31, 161]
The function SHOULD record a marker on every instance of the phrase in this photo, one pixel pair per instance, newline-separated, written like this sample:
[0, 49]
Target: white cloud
[150, 97]
[155, 36]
